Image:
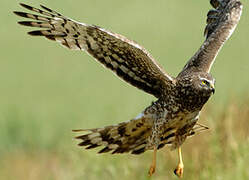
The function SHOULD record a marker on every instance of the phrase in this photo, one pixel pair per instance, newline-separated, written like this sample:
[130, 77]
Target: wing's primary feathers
[126, 58]
[221, 22]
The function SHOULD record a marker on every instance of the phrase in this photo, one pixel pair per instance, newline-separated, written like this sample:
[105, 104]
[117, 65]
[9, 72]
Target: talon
[179, 170]
[153, 165]
[152, 170]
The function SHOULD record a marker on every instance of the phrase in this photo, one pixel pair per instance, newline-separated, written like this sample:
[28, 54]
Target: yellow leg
[179, 169]
[153, 164]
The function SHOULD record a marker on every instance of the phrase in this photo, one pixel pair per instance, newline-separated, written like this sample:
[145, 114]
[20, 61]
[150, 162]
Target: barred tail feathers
[121, 138]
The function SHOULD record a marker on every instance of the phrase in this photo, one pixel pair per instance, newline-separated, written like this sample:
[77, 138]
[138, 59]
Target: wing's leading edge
[126, 58]
[221, 22]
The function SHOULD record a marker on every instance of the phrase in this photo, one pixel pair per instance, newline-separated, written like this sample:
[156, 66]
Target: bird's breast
[176, 130]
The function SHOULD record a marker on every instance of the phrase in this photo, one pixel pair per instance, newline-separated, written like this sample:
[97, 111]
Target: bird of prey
[173, 117]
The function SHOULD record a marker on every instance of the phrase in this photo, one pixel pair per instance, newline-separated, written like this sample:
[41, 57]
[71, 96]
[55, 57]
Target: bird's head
[195, 89]
[205, 83]
[199, 83]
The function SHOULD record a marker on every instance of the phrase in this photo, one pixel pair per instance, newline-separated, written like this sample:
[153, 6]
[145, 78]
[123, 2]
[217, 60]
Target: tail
[125, 137]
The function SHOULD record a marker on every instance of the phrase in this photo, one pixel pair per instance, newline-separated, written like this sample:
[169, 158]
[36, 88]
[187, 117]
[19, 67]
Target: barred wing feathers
[126, 58]
[221, 22]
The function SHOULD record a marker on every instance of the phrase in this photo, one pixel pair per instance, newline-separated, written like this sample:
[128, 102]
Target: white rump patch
[140, 115]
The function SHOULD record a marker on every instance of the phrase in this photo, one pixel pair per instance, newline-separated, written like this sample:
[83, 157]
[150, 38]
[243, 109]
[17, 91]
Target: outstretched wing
[221, 22]
[126, 58]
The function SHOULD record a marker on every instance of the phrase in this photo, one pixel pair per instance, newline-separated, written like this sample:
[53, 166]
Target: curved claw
[152, 170]
[153, 165]
[179, 170]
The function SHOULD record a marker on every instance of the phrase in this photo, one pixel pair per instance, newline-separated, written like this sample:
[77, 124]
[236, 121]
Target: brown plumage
[173, 117]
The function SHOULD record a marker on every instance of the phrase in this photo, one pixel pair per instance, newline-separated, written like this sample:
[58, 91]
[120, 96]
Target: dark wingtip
[85, 143]
[215, 3]
[239, 4]
[50, 10]
[104, 150]
[18, 13]
[35, 33]
[77, 130]
[26, 6]
[83, 137]
[25, 23]
[44, 7]
[22, 4]
[92, 146]
[139, 151]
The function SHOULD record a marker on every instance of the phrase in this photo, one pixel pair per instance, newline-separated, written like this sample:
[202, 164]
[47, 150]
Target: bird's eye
[204, 82]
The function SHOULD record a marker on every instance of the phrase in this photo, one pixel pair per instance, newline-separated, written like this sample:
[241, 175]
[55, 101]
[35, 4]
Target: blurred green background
[47, 90]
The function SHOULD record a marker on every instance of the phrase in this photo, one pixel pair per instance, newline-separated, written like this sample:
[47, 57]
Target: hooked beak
[212, 88]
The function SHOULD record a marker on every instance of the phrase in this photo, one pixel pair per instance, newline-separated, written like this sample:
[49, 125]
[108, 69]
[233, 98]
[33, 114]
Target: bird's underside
[173, 117]
[135, 136]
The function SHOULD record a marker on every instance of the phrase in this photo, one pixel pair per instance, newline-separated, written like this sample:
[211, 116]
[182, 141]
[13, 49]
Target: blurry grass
[221, 153]
[47, 90]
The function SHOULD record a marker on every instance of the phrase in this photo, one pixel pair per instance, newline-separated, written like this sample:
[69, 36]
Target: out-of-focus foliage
[47, 90]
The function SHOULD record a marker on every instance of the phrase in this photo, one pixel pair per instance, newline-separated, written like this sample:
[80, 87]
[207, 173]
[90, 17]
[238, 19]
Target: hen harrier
[173, 117]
